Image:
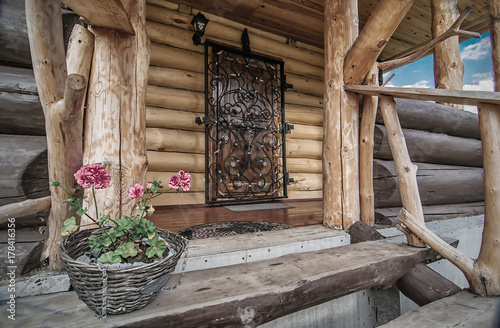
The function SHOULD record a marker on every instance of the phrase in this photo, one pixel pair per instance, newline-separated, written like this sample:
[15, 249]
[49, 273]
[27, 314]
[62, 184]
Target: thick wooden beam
[464, 97]
[406, 171]
[24, 208]
[110, 14]
[246, 294]
[448, 66]
[341, 119]
[381, 24]
[366, 142]
[495, 41]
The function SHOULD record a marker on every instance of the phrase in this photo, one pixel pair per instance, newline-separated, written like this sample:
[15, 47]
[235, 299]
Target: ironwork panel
[245, 136]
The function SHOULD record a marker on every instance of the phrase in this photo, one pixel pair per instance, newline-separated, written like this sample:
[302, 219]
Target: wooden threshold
[178, 217]
[242, 295]
[464, 97]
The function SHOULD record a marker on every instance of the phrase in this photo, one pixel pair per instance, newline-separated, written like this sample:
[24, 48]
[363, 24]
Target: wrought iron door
[245, 127]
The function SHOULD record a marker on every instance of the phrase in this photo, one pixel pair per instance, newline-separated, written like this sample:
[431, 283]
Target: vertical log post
[340, 141]
[367, 128]
[115, 121]
[448, 66]
[62, 102]
[406, 171]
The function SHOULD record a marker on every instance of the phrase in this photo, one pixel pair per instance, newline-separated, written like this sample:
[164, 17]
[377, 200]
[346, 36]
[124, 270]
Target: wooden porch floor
[175, 218]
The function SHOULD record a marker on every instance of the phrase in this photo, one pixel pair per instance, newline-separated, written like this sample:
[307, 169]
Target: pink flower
[136, 191]
[174, 182]
[185, 178]
[92, 175]
[149, 185]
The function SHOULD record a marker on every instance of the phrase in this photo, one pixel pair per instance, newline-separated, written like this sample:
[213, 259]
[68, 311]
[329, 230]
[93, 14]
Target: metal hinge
[287, 128]
[287, 85]
[288, 180]
[205, 120]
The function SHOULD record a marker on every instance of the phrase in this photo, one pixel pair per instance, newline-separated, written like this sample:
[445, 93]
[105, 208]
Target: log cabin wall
[175, 97]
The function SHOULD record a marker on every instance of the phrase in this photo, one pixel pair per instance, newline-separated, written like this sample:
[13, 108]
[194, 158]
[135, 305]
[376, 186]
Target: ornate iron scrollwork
[245, 143]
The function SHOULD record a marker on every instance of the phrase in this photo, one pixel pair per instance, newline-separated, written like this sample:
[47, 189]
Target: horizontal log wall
[175, 97]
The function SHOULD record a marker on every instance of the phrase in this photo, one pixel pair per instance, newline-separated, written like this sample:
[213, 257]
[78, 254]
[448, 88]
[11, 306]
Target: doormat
[257, 207]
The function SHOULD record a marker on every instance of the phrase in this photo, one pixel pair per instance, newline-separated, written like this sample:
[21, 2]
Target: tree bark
[448, 66]
[495, 41]
[406, 171]
[340, 185]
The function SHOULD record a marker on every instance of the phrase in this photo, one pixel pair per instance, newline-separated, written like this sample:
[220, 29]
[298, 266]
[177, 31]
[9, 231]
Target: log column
[115, 121]
[340, 140]
[448, 66]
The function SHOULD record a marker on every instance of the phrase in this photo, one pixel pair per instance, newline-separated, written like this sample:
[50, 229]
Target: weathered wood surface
[388, 215]
[464, 97]
[494, 28]
[423, 285]
[361, 232]
[14, 44]
[426, 147]
[242, 295]
[463, 309]
[437, 184]
[24, 208]
[19, 101]
[23, 168]
[431, 117]
[448, 66]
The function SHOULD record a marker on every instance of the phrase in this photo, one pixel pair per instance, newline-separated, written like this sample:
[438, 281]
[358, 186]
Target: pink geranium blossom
[185, 178]
[92, 175]
[149, 185]
[174, 182]
[136, 191]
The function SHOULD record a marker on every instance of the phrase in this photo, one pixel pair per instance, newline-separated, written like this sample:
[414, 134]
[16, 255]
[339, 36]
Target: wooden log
[172, 119]
[17, 80]
[423, 285]
[388, 215]
[489, 256]
[464, 97]
[175, 141]
[340, 31]
[437, 184]
[115, 120]
[173, 162]
[24, 208]
[110, 14]
[306, 182]
[297, 114]
[375, 34]
[406, 171]
[14, 43]
[361, 232]
[428, 116]
[301, 194]
[495, 41]
[308, 132]
[184, 198]
[175, 78]
[306, 85]
[296, 98]
[166, 56]
[448, 66]
[303, 165]
[20, 158]
[164, 4]
[425, 147]
[175, 99]
[302, 148]
[366, 142]
[222, 31]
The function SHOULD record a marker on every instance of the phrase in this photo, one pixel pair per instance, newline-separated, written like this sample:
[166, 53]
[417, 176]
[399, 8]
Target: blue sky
[476, 55]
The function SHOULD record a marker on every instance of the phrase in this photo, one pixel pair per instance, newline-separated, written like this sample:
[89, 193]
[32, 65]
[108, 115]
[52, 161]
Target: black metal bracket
[205, 120]
[287, 128]
[286, 85]
[288, 180]
[245, 41]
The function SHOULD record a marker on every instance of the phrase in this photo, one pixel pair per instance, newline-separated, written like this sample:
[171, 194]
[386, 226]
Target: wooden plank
[103, 13]
[14, 43]
[463, 309]
[464, 97]
[247, 294]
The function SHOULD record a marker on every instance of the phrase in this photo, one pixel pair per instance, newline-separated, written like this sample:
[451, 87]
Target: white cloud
[477, 51]
[478, 77]
[419, 84]
[482, 85]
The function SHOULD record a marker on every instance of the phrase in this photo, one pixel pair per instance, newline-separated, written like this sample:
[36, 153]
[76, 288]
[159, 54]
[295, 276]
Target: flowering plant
[131, 238]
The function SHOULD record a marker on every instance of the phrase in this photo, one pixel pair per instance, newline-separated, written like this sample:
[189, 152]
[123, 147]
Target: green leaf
[109, 258]
[81, 212]
[55, 183]
[69, 226]
[156, 247]
[126, 250]
[95, 244]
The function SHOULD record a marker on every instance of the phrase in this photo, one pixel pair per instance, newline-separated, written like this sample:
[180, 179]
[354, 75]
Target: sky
[476, 55]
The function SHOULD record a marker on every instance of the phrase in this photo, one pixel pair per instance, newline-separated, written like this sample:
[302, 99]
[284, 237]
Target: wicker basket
[127, 288]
